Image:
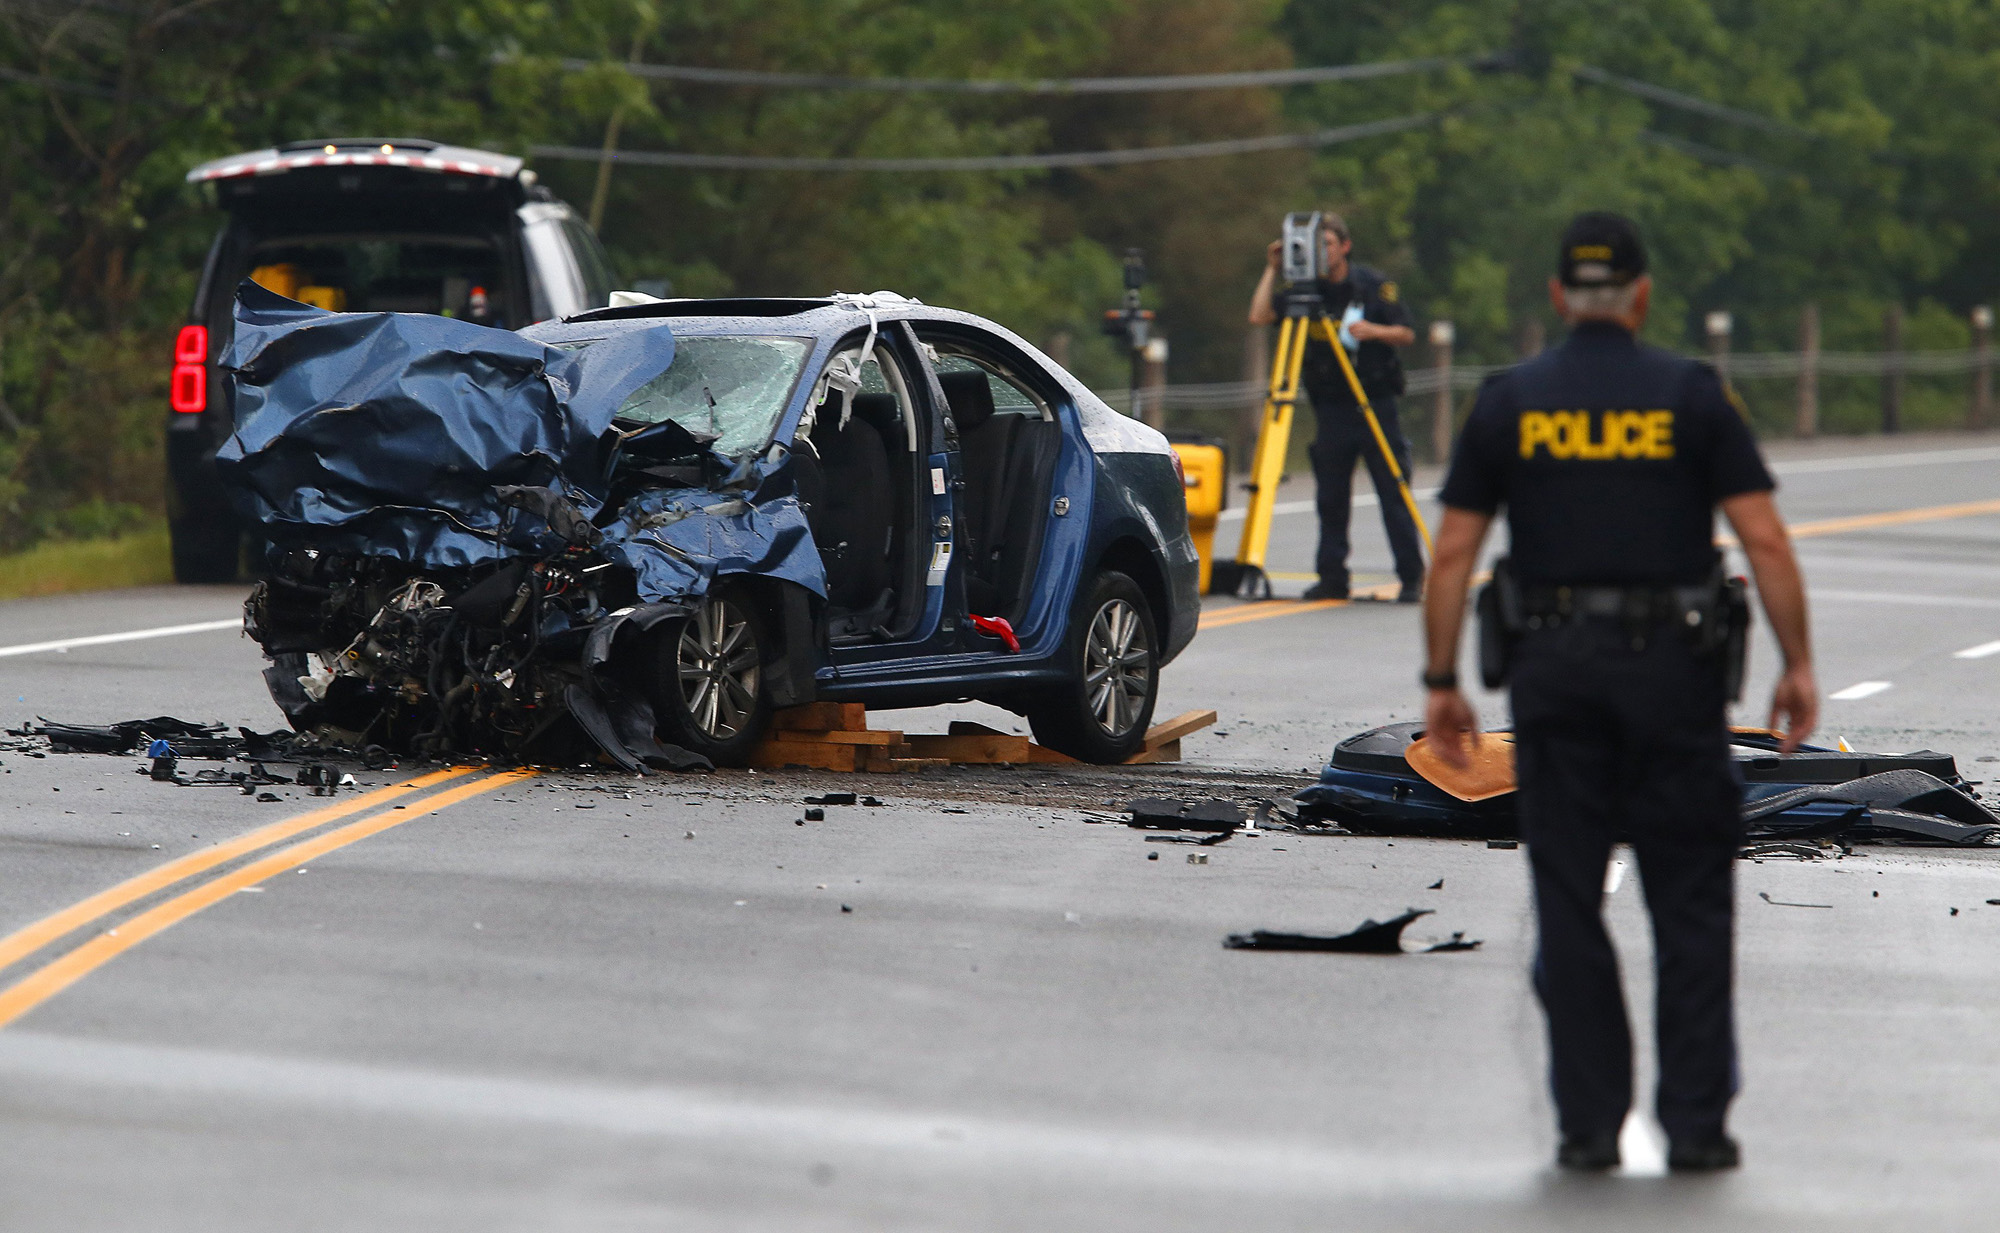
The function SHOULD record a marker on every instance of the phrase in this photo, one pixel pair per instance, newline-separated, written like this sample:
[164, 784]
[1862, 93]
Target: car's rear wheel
[711, 694]
[205, 549]
[1100, 712]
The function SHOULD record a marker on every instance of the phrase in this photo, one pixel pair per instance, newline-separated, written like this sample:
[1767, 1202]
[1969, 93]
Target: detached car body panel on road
[673, 516]
[358, 224]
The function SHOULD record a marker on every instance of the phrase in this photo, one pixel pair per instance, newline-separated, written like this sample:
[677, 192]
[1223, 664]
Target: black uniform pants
[1615, 744]
[1343, 438]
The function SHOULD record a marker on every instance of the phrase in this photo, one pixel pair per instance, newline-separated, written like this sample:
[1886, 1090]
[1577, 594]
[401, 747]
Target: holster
[1502, 618]
[1735, 604]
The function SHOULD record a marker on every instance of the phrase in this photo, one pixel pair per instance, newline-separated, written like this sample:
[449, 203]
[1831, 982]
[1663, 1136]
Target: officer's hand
[1449, 725]
[1796, 699]
[1272, 253]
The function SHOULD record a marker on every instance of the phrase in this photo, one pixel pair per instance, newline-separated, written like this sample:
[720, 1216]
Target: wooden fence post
[1442, 336]
[1892, 369]
[1153, 381]
[1808, 421]
[1719, 324]
[1982, 367]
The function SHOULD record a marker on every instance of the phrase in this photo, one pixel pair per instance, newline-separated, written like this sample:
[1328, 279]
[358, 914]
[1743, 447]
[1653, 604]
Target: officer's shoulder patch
[1390, 293]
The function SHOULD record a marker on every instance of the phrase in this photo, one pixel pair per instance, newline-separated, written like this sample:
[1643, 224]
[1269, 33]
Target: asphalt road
[596, 1003]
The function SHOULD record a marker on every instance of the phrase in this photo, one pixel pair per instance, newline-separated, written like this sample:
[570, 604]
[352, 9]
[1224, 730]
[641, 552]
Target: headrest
[971, 398]
[880, 411]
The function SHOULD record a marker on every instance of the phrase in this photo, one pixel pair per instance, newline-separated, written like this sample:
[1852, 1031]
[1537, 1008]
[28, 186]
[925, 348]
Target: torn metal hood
[390, 434]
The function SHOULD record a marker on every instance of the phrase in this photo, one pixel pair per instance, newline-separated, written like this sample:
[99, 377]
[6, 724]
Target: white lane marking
[1361, 501]
[1856, 692]
[1870, 462]
[1194, 1160]
[130, 635]
[1978, 652]
[1897, 597]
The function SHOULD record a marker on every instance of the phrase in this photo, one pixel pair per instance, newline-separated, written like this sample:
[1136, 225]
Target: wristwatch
[1447, 679]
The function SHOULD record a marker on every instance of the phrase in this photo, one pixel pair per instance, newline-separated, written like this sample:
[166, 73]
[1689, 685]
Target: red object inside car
[188, 390]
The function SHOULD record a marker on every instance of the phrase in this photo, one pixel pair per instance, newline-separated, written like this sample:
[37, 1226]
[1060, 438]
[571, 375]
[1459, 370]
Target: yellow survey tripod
[1305, 315]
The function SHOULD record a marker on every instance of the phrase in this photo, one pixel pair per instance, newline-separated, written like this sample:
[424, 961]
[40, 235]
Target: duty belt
[1637, 605]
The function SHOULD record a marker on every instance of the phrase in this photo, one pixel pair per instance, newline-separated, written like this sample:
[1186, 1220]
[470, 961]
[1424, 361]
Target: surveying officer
[1371, 314]
[1610, 457]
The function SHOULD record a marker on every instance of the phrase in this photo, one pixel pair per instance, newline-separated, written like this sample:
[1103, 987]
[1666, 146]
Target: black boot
[1589, 1153]
[1704, 1155]
[1325, 590]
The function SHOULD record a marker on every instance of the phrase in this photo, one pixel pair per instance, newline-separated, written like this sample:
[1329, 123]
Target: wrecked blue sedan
[642, 529]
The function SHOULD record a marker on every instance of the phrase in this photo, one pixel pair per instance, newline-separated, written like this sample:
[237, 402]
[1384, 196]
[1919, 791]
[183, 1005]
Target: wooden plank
[869, 737]
[820, 755]
[1169, 752]
[1178, 727]
[981, 747]
[913, 764]
[821, 717]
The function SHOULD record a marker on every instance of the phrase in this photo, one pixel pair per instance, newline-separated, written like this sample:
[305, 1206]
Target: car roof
[814, 315]
[414, 153]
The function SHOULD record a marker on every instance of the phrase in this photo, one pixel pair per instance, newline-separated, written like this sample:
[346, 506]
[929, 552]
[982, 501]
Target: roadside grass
[140, 558]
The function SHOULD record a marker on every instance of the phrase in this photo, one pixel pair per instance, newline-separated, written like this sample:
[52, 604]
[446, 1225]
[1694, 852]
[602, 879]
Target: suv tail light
[188, 390]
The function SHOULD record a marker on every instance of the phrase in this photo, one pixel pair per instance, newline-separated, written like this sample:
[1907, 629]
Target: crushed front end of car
[469, 552]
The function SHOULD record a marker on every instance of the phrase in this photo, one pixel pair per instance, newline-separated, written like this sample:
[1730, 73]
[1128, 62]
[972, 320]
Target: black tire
[711, 689]
[205, 550]
[1101, 710]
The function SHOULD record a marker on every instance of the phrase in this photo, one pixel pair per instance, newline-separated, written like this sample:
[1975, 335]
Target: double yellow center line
[59, 973]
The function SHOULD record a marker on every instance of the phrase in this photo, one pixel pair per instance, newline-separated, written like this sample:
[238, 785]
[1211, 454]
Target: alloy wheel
[1117, 667]
[718, 662]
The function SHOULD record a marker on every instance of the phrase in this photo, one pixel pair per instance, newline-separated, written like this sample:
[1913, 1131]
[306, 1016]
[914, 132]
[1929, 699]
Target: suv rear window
[452, 276]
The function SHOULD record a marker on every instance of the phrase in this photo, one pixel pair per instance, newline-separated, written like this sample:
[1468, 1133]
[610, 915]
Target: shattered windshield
[728, 386]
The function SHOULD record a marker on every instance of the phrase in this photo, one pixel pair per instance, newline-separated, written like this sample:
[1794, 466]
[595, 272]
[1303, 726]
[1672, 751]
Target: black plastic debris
[1785, 851]
[1503, 845]
[1163, 814]
[269, 798]
[1368, 787]
[815, 815]
[1437, 885]
[1372, 938]
[1785, 903]
[832, 798]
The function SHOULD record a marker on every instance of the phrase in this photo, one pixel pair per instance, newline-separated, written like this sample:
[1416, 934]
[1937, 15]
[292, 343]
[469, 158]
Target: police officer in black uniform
[1610, 458]
[1369, 311]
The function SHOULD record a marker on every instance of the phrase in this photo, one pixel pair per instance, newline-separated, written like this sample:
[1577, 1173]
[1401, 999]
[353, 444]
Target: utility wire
[997, 162]
[1689, 102]
[1043, 85]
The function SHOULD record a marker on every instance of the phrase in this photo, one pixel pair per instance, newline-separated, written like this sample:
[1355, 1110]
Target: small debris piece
[1165, 814]
[1792, 851]
[1954, 911]
[949, 810]
[1503, 845]
[872, 801]
[1781, 903]
[832, 798]
[689, 835]
[1197, 858]
[1456, 942]
[1437, 885]
[269, 798]
[1372, 938]
[1153, 856]
[845, 908]
[815, 815]
[1994, 902]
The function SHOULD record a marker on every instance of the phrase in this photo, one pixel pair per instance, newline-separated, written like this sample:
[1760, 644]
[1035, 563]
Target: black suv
[359, 225]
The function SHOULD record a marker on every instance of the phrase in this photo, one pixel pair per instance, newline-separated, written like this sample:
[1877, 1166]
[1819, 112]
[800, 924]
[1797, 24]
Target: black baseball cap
[1600, 250]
